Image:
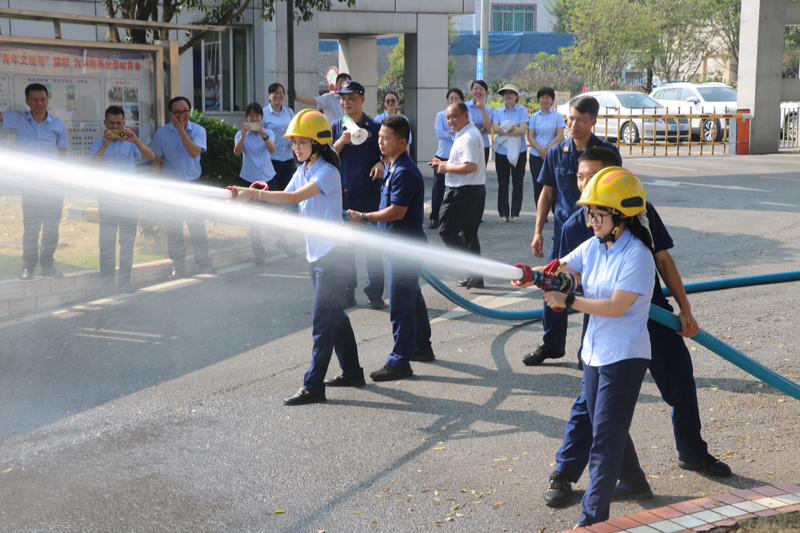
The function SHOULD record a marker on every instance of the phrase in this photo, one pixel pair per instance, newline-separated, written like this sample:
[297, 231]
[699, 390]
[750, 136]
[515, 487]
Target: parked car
[683, 98]
[789, 119]
[628, 128]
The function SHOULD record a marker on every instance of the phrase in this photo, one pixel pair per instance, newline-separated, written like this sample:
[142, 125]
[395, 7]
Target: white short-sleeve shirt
[329, 104]
[467, 148]
[629, 266]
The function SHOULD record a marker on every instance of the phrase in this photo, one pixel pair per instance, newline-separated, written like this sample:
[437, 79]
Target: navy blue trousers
[611, 392]
[331, 329]
[375, 276]
[554, 324]
[517, 174]
[411, 328]
[671, 368]
[535, 163]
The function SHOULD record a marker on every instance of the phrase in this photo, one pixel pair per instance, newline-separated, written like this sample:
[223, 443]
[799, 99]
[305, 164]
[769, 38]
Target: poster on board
[82, 83]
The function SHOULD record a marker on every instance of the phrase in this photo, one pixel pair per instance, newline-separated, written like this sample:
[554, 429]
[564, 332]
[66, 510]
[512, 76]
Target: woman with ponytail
[317, 191]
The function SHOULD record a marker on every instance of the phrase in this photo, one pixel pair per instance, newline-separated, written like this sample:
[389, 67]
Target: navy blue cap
[349, 86]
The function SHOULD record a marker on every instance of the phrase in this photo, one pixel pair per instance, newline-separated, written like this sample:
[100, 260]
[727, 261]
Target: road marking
[665, 183]
[777, 178]
[122, 332]
[267, 275]
[108, 338]
[663, 166]
[779, 205]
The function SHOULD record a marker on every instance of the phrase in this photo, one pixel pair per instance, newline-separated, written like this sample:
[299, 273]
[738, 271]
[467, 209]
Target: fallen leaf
[279, 511]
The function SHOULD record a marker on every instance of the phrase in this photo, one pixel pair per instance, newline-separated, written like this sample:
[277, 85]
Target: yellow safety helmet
[617, 188]
[312, 124]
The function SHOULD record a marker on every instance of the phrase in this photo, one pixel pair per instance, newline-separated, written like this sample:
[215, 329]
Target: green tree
[560, 11]
[724, 24]
[681, 39]
[609, 36]
[215, 12]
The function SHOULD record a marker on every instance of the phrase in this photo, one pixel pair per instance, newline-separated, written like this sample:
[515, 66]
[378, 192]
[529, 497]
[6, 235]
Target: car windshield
[717, 94]
[637, 100]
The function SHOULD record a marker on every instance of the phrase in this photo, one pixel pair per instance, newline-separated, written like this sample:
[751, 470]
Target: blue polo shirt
[119, 155]
[256, 163]
[445, 139]
[476, 117]
[278, 122]
[178, 163]
[629, 266]
[576, 231]
[403, 186]
[379, 120]
[560, 171]
[545, 126]
[363, 193]
[43, 138]
[517, 115]
[327, 205]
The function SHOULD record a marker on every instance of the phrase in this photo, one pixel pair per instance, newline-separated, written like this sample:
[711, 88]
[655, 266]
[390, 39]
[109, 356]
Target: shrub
[220, 167]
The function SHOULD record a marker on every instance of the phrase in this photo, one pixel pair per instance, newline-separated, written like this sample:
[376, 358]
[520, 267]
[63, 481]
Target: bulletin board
[83, 79]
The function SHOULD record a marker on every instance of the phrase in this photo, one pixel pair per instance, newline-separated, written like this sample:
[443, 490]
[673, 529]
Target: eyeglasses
[595, 218]
[299, 145]
[182, 113]
[390, 101]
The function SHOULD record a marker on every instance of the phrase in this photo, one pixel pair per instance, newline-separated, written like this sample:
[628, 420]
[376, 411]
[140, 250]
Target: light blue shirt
[119, 155]
[278, 122]
[177, 162]
[379, 118]
[628, 265]
[476, 117]
[445, 139]
[256, 165]
[517, 115]
[545, 125]
[327, 205]
[43, 138]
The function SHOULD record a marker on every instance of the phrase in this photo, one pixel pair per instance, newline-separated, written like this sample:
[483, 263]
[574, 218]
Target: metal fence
[789, 124]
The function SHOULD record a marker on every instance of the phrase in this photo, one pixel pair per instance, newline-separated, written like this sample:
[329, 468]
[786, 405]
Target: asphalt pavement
[162, 410]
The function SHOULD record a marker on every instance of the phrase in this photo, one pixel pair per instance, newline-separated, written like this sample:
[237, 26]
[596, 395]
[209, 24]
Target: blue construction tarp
[501, 44]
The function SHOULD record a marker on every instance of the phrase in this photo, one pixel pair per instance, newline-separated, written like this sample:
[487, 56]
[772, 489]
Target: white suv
[716, 98]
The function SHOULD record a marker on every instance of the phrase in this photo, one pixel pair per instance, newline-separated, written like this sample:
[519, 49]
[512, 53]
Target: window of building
[513, 17]
[221, 81]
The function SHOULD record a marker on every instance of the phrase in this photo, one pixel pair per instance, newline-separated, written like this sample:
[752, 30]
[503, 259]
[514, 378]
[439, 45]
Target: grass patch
[787, 523]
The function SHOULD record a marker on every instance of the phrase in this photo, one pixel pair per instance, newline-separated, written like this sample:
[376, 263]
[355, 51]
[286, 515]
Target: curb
[706, 514]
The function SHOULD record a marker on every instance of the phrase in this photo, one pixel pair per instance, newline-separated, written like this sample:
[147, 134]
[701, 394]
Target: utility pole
[485, 35]
[290, 51]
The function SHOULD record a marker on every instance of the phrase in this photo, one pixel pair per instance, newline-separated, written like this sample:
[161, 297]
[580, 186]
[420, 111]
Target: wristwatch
[364, 217]
[569, 301]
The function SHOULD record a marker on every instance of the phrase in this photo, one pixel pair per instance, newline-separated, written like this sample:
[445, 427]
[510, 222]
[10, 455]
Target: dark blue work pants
[611, 392]
[554, 324]
[461, 214]
[331, 329]
[411, 328]
[375, 275]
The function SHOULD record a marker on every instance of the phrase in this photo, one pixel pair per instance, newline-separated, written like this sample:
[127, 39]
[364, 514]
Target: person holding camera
[117, 149]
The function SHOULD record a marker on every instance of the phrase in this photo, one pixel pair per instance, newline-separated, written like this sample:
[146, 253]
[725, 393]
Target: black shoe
[350, 302]
[644, 493]
[341, 381]
[52, 273]
[207, 268]
[580, 361]
[424, 354]
[434, 224]
[389, 373]
[303, 397]
[710, 466]
[376, 303]
[289, 251]
[260, 260]
[537, 358]
[471, 283]
[176, 274]
[559, 492]
[127, 287]
[27, 274]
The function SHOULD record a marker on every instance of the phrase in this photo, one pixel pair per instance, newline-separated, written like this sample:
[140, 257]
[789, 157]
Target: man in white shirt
[465, 175]
[328, 103]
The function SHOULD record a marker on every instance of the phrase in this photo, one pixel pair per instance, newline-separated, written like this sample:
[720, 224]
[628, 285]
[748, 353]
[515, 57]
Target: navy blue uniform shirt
[575, 232]
[560, 171]
[356, 163]
[403, 186]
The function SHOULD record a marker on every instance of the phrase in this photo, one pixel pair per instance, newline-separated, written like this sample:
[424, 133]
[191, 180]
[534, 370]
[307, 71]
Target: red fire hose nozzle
[259, 185]
[527, 276]
[234, 191]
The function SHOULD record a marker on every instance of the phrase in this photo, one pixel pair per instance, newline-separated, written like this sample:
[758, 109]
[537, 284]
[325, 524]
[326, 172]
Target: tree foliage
[560, 11]
[215, 12]
[552, 71]
[681, 38]
[724, 23]
[609, 37]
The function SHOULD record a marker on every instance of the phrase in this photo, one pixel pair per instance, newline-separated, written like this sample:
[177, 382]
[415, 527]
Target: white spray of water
[18, 170]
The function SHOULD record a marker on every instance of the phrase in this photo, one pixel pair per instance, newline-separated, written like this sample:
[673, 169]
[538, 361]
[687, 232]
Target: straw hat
[509, 87]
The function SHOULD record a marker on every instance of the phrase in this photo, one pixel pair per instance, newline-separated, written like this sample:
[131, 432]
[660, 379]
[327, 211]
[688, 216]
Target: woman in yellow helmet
[618, 274]
[317, 191]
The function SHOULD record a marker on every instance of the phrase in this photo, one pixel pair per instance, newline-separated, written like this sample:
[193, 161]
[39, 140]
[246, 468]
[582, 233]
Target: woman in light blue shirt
[390, 103]
[545, 129]
[510, 123]
[316, 189]
[276, 118]
[446, 137]
[255, 147]
[617, 271]
[480, 114]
